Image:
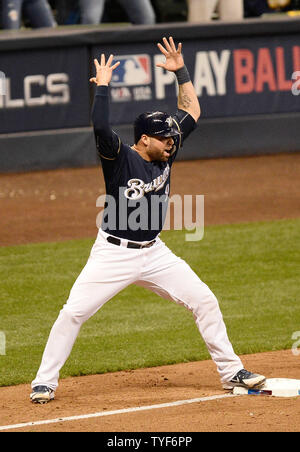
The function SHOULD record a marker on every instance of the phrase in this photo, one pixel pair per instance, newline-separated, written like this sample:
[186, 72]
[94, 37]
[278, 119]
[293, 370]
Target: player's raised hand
[104, 70]
[174, 58]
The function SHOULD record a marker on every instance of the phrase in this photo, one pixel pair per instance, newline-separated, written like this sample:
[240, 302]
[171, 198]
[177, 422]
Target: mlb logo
[133, 70]
[2, 84]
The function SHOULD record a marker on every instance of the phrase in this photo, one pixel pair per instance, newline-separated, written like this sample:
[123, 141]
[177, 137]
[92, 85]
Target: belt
[118, 242]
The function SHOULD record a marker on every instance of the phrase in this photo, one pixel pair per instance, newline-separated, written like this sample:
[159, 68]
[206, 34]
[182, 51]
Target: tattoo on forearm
[184, 100]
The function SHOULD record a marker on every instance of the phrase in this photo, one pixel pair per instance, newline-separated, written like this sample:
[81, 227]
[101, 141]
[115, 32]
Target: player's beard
[160, 153]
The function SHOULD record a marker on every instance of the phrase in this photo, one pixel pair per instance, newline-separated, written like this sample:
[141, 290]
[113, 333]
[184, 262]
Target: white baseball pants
[111, 268]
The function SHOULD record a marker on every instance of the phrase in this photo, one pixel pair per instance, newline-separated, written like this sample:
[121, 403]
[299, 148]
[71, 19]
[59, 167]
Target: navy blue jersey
[137, 190]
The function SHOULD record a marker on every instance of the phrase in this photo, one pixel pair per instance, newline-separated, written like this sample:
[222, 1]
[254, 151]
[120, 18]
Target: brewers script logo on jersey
[137, 187]
[131, 79]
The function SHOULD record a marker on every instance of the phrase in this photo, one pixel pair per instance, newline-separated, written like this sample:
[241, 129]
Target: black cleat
[41, 394]
[245, 379]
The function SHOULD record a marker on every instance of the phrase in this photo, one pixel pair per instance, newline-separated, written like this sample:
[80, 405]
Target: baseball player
[123, 254]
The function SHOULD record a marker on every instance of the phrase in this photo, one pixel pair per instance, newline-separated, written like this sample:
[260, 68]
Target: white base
[277, 387]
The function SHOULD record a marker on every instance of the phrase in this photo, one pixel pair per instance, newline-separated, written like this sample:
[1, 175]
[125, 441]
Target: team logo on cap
[169, 121]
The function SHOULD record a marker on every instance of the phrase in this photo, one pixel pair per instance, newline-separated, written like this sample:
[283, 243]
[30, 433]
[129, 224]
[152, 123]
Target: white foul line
[122, 411]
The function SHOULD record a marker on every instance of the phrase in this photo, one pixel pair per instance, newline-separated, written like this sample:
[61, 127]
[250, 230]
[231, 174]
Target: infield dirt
[61, 205]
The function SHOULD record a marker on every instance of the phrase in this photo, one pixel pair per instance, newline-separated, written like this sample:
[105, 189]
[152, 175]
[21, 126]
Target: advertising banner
[232, 77]
[48, 89]
[44, 89]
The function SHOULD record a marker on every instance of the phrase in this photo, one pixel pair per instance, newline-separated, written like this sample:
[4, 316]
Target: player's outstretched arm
[100, 110]
[108, 143]
[187, 97]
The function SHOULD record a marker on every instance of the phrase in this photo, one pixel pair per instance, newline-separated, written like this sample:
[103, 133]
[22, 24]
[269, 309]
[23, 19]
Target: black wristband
[183, 75]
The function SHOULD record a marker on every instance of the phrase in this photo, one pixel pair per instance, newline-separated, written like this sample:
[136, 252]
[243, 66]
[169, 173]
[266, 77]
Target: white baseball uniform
[123, 255]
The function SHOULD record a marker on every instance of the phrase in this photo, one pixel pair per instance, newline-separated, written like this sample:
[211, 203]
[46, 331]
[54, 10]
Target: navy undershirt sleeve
[186, 123]
[107, 141]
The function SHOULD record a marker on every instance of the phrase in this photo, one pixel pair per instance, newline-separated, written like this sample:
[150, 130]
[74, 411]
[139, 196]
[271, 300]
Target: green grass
[252, 268]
